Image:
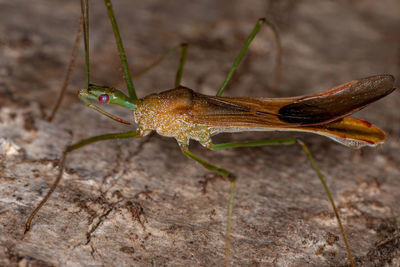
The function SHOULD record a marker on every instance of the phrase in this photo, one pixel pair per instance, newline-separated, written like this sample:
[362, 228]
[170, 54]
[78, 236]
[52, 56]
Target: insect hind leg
[232, 178]
[292, 141]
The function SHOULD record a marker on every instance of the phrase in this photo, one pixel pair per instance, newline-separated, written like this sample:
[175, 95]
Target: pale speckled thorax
[169, 115]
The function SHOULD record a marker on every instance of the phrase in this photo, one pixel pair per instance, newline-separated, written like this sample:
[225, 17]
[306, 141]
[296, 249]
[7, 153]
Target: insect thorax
[168, 113]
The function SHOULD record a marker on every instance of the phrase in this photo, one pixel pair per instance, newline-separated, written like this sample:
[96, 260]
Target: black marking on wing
[319, 109]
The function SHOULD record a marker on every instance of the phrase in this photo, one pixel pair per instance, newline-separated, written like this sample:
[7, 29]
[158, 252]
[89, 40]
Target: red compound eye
[104, 98]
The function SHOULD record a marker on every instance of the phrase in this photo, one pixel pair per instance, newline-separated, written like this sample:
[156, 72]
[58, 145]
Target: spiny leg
[82, 143]
[245, 47]
[291, 141]
[231, 177]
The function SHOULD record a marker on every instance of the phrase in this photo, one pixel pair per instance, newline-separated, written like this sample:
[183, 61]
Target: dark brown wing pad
[336, 104]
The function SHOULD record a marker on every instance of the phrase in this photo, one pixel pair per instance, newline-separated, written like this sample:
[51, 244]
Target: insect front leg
[82, 143]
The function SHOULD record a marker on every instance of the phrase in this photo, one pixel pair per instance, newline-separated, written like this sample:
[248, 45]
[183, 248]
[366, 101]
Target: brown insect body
[184, 114]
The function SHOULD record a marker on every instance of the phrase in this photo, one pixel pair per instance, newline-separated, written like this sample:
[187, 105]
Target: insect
[189, 111]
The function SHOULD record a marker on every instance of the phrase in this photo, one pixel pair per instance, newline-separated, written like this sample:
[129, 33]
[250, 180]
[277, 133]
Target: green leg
[209, 166]
[121, 51]
[178, 76]
[82, 143]
[239, 58]
[291, 141]
[182, 60]
[321, 178]
[231, 177]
